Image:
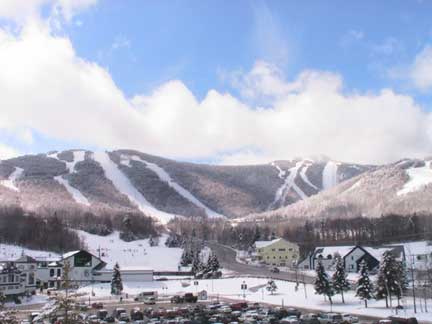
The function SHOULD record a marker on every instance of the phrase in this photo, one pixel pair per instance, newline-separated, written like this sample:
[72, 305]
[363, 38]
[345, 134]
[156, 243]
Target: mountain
[404, 187]
[125, 180]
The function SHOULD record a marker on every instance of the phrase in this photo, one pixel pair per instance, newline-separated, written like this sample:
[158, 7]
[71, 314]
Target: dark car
[109, 319]
[399, 320]
[190, 298]
[275, 270]
[97, 305]
[177, 299]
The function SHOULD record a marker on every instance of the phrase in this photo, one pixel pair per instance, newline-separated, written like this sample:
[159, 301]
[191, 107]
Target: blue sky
[144, 46]
[194, 40]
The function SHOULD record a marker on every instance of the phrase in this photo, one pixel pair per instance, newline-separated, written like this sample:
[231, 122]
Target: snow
[132, 254]
[418, 179]
[10, 183]
[164, 176]
[262, 244]
[330, 175]
[332, 250]
[32, 300]
[289, 183]
[124, 186]
[305, 178]
[78, 156]
[357, 184]
[286, 294]
[12, 252]
[75, 193]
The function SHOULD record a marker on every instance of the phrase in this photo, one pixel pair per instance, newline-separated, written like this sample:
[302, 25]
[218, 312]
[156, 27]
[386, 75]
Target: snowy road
[227, 257]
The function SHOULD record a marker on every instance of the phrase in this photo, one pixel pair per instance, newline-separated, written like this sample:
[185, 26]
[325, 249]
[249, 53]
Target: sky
[224, 82]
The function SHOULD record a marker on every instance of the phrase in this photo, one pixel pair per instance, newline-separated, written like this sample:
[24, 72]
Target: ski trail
[78, 156]
[330, 175]
[10, 183]
[165, 177]
[289, 183]
[418, 179]
[305, 178]
[122, 183]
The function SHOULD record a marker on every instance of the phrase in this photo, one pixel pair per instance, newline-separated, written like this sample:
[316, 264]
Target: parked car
[102, 314]
[150, 300]
[190, 298]
[289, 320]
[309, 319]
[116, 313]
[330, 318]
[275, 270]
[97, 305]
[123, 317]
[350, 318]
[177, 299]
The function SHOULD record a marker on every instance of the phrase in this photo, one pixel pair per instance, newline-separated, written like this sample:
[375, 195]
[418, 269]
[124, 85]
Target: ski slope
[165, 177]
[10, 183]
[418, 179]
[289, 183]
[78, 156]
[122, 183]
[330, 178]
[132, 254]
[305, 178]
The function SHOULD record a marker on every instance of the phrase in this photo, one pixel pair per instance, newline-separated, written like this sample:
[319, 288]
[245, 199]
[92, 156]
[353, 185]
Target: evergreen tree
[340, 282]
[364, 286]
[66, 302]
[388, 283]
[271, 286]
[116, 281]
[322, 284]
[197, 265]
[212, 263]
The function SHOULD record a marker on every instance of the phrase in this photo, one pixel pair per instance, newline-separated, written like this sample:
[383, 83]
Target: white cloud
[7, 152]
[47, 88]
[388, 47]
[23, 10]
[421, 71]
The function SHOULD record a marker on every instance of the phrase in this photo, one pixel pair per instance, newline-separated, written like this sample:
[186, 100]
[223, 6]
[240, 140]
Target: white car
[350, 318]
[289, 320]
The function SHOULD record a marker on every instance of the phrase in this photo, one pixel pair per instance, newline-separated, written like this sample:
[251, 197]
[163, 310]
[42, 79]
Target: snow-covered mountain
[404, 187]
[129, 180]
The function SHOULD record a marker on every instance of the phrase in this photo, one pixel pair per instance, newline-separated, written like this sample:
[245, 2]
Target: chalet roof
[263, 244]
[25, 259]
[332, 250]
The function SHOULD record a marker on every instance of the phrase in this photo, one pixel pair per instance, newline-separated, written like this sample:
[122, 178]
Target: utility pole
[413, 284]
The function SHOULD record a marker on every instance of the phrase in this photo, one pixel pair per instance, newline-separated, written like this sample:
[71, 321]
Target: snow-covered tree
[364, 286]
[322, 283]
[271, 286]
[340, 282]
[197, 265]
[116, 281]
[389, 277]
[212, 263]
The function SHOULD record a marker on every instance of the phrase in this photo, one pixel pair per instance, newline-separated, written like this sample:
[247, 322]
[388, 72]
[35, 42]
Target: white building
[10, 281]
[28, 268]
[326, 254]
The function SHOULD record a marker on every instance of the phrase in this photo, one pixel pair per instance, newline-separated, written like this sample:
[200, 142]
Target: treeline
[131, 225]
[40, 233]
[311, 233]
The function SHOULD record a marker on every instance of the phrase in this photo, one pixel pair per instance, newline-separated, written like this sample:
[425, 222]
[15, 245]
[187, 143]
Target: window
[51, 272]
[58, 272]
[31, 278]
[329, 257]
[290, 249]
[282, 250]
[82, 259]
[352, 257]
[273, 250]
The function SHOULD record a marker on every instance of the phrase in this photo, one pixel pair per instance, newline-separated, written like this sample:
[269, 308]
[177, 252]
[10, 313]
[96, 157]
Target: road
[227, 258]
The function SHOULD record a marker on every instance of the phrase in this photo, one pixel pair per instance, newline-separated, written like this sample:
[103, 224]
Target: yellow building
[278, 252]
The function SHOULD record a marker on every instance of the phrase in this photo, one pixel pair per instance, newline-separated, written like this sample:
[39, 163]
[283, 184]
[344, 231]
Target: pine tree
[340, 282]
[322, 283]
[388, 283]
[186, 258]
[116, 281]
[271, 286]
[197, 265]
[212, 263]
[364, 286]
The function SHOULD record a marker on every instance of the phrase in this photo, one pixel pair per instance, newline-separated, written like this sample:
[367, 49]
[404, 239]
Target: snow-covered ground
[132, 254]
[11, 252]
[10, 182]
[304, 176]
[32, 300]
[329, 174]
[124, 185]
[418, 179]
[286, 295]
[164, 176]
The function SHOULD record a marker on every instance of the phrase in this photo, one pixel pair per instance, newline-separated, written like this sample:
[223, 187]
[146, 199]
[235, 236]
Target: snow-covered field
[133, 254]
[12, 252]
[286, 294]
